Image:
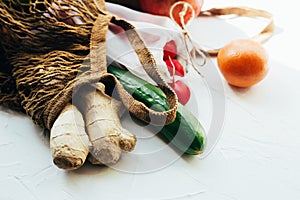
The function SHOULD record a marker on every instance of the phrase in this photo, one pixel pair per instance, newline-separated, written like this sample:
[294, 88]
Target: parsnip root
[107, 136]
[68, 140]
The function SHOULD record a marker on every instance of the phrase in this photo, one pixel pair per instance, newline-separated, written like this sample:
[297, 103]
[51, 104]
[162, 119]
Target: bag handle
[261, 37]
[98, 65]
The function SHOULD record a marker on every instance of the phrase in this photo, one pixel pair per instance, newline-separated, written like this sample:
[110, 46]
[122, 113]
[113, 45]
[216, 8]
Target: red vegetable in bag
[159, 7]
[170, 50]
[179, 70]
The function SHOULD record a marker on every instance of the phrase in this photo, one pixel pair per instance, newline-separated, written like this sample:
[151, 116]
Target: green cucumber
[141, 90]
[185, 132]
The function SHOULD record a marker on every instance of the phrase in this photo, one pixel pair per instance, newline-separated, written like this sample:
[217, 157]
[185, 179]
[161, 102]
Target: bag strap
[98, 65]
[261, 37]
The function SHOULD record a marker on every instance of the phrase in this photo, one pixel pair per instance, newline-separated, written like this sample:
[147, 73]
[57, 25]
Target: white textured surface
[257, 156]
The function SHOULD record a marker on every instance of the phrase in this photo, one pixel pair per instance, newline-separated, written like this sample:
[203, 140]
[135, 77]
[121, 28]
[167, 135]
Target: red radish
[182, 90]
[159, 7]
[170, 50]
[175, 64]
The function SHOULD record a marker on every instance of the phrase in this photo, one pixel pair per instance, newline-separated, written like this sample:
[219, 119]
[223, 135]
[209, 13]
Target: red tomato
[159, 7]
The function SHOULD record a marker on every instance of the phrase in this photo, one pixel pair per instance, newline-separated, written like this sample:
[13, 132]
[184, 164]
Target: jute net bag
[8, 93]
[52, 56]
[55, 52]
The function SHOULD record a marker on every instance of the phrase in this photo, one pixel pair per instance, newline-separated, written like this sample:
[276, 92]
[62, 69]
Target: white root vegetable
[68, 140]
[107, 136]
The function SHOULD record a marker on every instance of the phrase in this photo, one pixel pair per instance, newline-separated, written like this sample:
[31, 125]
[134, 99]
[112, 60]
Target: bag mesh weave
[9, 96]
[50, 46]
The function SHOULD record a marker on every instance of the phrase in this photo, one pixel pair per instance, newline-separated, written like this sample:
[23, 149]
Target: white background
[257, 156]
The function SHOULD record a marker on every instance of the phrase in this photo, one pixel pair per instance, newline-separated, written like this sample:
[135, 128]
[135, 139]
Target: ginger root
[68, 140]
[107, 136]
[98, 131]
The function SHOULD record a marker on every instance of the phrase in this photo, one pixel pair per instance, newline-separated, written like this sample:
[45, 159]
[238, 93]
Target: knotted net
[54, 47]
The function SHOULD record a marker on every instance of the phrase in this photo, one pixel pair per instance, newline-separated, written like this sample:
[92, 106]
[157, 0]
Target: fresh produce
[169, 50]
[99, 132]
[243, 62]
[175, 65]
[159, 7]
[175, 68]
[141, 90]
[170, 58]
[69, 141]
[185, 133]
[182, 90]
[108, 137]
